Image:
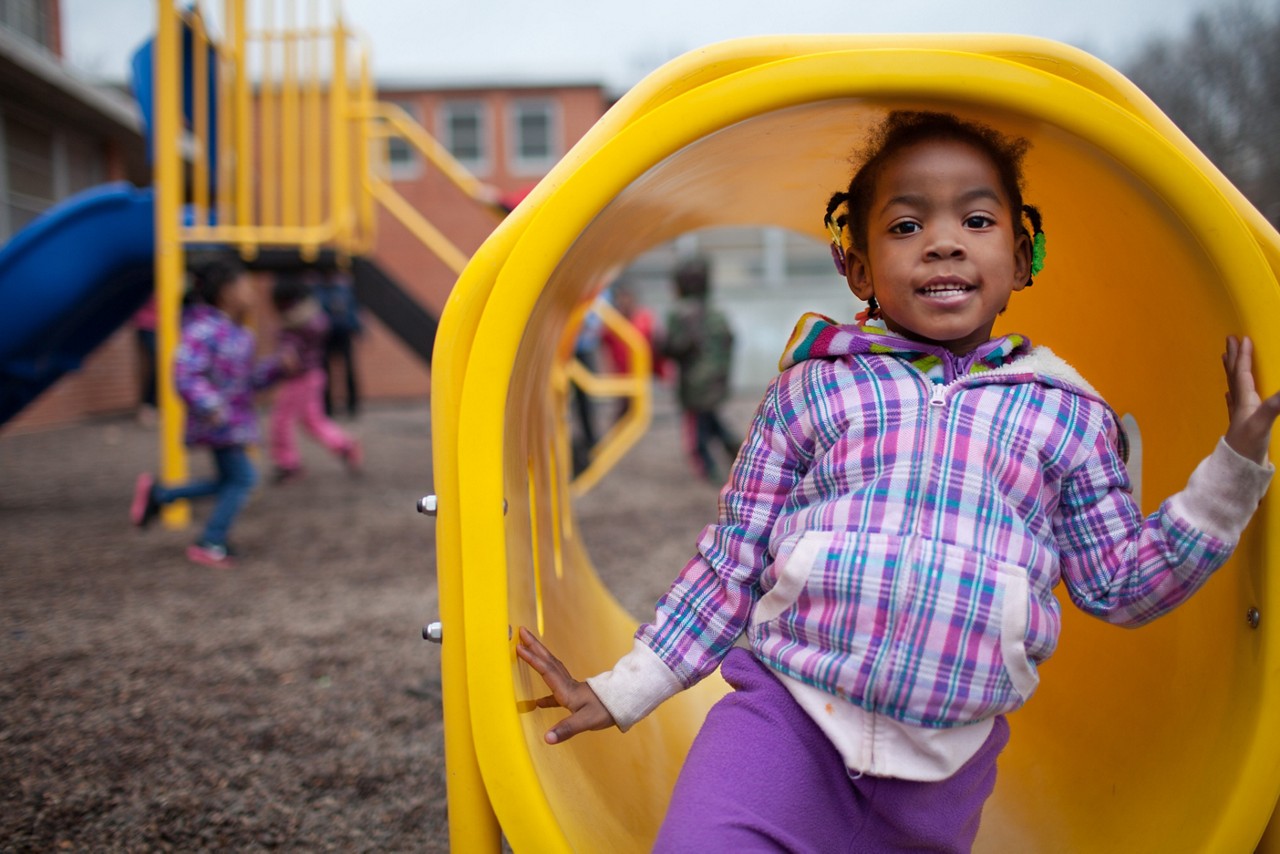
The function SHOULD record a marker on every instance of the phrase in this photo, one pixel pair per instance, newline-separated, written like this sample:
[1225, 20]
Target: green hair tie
[1037, 253]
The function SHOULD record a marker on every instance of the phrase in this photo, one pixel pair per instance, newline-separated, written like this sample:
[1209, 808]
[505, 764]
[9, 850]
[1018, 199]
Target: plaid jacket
[895, 540]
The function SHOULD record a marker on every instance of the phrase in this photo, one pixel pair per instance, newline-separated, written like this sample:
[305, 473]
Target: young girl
[911, 492]
[300, 398]
[216, 376]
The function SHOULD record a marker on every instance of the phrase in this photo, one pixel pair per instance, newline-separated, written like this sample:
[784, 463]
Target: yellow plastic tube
[1159, 739]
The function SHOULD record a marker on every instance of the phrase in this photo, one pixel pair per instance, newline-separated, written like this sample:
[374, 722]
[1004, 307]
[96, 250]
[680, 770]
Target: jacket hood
[1012, 356]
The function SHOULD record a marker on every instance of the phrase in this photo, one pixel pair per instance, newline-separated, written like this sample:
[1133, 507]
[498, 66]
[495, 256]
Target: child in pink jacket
[300, 399]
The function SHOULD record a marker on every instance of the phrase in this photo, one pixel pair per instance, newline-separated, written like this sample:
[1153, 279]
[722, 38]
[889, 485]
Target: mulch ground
[150, 704]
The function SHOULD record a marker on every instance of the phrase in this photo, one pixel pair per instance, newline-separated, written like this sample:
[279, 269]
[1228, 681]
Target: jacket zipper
[901, 587]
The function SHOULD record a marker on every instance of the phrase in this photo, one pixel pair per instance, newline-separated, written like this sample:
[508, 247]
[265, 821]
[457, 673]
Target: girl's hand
[1249, 430]
[290, 361]
[566, 692]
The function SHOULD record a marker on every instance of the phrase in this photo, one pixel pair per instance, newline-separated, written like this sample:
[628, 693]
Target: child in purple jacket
[216, 376]
[304, 326]
[911, 491]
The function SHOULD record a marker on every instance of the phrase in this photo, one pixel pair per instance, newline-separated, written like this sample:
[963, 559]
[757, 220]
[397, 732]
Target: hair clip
[1037, 240]
[1037, 253]
[837, 255]
[837, 243]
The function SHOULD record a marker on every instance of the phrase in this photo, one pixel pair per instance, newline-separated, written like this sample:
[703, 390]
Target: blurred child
[338, 299]
[300, 399]
[216, 376]
[700, 342]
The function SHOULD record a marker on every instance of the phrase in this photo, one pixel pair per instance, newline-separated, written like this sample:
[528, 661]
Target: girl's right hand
[1251, 416]
[587, 712]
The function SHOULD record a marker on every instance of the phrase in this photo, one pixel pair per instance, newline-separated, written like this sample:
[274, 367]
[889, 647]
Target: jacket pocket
[1015, 606]
[793, 571]
[961, 652]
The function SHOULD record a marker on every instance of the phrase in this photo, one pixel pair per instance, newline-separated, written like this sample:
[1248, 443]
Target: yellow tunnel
[1162, 739]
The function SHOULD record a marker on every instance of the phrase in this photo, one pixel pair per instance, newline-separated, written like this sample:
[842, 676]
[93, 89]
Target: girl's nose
[945, 246]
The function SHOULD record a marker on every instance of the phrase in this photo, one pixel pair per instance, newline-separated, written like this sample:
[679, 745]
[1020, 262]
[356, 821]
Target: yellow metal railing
[382, 121]
[288, 157]
[635, 386]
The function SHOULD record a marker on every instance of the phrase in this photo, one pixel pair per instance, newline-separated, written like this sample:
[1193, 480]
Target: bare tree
[1220, 83]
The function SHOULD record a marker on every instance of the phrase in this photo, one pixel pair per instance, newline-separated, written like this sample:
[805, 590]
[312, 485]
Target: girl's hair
[904, 128]
[210, 278]
[288, 291]
[693, 278]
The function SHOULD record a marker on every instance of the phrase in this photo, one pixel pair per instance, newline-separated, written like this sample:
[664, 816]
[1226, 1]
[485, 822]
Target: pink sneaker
[209, 554]
[353, 456]
[144, 508]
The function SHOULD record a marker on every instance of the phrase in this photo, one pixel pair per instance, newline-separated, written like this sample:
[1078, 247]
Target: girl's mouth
[945, 288]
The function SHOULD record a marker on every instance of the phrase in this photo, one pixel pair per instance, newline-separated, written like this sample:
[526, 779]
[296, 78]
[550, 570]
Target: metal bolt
[1254, 617]
[428, 504]
[433, 632]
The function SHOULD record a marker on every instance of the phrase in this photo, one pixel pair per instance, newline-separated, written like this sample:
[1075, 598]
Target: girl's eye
[978, 221]
[904, 227]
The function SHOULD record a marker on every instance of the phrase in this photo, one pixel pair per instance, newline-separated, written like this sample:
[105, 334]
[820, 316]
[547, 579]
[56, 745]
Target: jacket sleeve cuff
[636, 685]
[1223, 493]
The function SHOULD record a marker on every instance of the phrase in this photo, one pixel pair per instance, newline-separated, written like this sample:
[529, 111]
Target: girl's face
[236, 298]
[943, 252]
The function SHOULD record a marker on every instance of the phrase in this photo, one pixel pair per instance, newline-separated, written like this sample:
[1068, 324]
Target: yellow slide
[1162, 739]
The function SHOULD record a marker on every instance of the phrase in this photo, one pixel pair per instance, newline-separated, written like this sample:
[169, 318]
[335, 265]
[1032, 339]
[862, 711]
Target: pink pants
[301, 399]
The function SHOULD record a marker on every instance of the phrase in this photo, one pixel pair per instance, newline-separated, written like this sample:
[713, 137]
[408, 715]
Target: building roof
[32, 77]
[394, 83]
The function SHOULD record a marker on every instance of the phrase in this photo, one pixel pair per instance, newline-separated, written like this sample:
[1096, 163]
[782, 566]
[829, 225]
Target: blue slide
[67, 281]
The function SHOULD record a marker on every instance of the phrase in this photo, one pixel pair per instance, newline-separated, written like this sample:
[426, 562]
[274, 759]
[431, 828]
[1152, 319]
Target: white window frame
[517, 163]
[29, 19]
[483, 162]
[409, 169]
[57, 162]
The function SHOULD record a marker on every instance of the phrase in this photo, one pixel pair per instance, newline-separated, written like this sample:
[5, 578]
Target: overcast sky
[617, 43]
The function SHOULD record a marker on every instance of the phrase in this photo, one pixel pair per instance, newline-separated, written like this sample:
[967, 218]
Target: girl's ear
[859, 274]
[1021, 260]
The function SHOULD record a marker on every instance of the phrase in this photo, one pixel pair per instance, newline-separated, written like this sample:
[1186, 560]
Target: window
[29, 171]
[39, 165]
[27, 18]
[86, 163]
[535, 144]
[403, 161]
[465, 134]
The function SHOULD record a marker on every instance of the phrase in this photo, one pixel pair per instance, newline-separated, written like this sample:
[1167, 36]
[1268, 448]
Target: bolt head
[428, 505]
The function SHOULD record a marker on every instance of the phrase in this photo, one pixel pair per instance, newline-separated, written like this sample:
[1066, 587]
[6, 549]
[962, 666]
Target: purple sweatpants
[761, 776]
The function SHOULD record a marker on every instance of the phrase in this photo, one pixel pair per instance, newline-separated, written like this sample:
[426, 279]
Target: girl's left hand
[1251, 417]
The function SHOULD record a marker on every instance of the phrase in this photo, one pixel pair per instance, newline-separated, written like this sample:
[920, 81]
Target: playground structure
[266, 138]
[284, 151]
[1156, 739]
